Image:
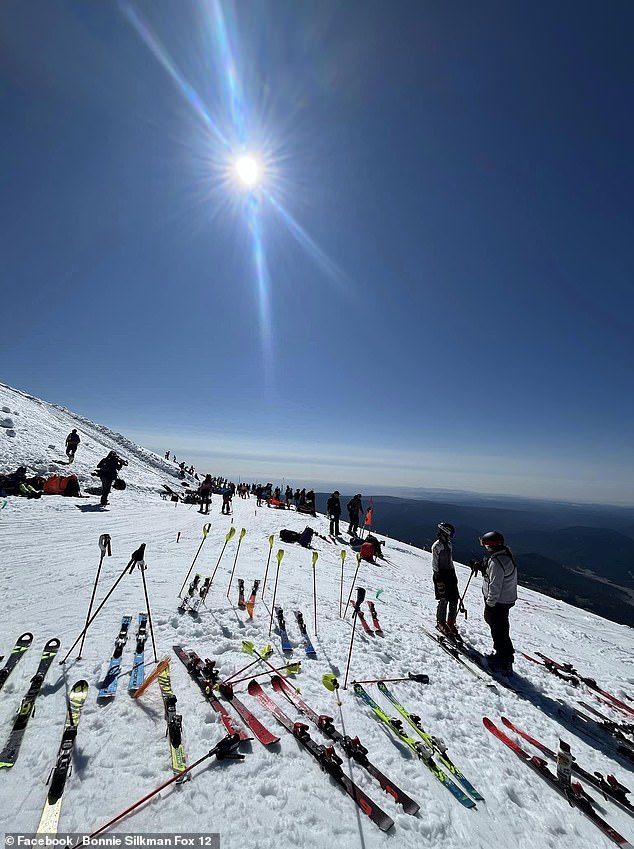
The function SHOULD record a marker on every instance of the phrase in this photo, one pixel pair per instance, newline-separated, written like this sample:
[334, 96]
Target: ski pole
[315, 556]
[250, 648]
[268, 560]
[357, 604]
[235, 560]
[224, 750]
[421, 677]
[267, 651]
[356, 572]
[279, 556]
[104, 545]
[343, 557]
[230, 534]
[136, 555]
[141, 565]
[206, 529]
[461, 606]
[330, 683]
[290, 668]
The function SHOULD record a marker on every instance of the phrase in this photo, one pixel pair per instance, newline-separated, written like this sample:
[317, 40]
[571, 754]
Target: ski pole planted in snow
[230, 533]
[141, 565]
[356, 572]
[279, 556]
[224, 750]
[104, 546]
[136, 555]
[268, 560]
[343, 557]
[206, 529]
[357, 604]
[235, 560]
[315, 556]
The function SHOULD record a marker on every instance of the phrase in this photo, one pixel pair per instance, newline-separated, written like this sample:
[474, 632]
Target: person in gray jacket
[499, 589]
[445, 580]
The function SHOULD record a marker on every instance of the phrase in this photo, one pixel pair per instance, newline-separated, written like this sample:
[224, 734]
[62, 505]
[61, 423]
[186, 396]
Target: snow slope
[276, 797]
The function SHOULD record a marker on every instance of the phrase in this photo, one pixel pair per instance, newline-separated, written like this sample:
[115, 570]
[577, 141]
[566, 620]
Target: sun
[248, 171]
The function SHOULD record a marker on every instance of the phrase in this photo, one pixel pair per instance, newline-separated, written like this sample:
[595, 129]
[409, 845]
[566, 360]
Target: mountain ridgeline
[581, 554]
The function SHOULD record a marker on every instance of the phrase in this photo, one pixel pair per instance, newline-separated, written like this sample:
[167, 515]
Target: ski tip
[52, 644]
[25, 639]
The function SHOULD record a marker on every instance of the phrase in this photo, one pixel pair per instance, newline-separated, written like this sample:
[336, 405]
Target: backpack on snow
[289, 536]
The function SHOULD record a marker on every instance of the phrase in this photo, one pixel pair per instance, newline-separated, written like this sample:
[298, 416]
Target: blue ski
[138, 669]
[310, 650]
[281, 624]
[108, 688]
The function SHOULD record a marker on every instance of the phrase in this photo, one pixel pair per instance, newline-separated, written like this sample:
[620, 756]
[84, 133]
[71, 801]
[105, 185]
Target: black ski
[308, 645]
[9, 754]
[191, 591]
[17, 653]
[325, 756]
[351, 745]
[241, 604]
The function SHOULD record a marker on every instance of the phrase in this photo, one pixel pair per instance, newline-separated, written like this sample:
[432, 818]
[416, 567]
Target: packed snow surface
[277, 796]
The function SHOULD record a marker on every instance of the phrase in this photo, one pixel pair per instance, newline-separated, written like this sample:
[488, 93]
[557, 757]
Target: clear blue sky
[433, 286]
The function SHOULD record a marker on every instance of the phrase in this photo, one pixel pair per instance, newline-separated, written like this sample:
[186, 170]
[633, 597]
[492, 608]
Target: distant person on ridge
[108, 470]
[499, 589]
[355, 508]
[445, 580]
[333, 508]
[72, 441]
[204, 490]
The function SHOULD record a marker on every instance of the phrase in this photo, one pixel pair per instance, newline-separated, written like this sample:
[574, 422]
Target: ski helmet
[447, 528]
[492, 539]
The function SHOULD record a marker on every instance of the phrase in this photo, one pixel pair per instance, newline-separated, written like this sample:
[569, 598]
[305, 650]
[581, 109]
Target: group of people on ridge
[499, 588]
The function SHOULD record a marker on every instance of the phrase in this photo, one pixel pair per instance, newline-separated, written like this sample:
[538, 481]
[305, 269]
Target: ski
[375, 619]
[191, 592]
[9, 754]
[250, 605]
[308, 645]
[206, 679]
[329, 761]
[108, 689]
[266, 737]
[609, 786]
[362, 619]
[174, 721]
[450, 649]
[281, 624]
[573, 794]
[138, 668]
[435, 743]
[607, 722]
[351, 746]
[567, 668]
[422, 751]
[195, 605]
[241, 604]
[17, 653]
[63, 767]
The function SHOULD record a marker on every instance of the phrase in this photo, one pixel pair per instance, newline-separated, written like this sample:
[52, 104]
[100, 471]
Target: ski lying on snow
[174, 722]
[17, 653]
[573, 794]
[9, 754]
[138, 668]
[435, 743]
[609, 786]
[422, 751]
[281, 625]
[329, 761]
[308, 646]
[351, 745]
[452, 651]
[63, 767]
[108, 689]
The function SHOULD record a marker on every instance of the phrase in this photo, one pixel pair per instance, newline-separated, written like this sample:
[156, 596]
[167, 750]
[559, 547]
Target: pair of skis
[287, 646]
[206, 677]
[573, 793]
[364, 622]
[108, 689]
[248, 605]
[196, 595]
[9, 753]
[430, 747]
[325, 756]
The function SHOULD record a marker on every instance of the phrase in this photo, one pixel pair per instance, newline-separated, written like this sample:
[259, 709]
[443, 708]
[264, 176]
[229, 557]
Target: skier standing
[333, 508]
[445, 580]
[72, 441]
[204, 490]
[355, 508]
[108, 470]
[499, 589]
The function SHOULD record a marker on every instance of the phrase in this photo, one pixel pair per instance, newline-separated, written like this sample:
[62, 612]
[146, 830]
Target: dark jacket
[333, 506]
[109, 467]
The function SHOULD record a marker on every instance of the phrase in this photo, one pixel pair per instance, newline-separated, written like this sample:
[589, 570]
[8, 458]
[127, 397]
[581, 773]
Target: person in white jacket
[499, 589]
